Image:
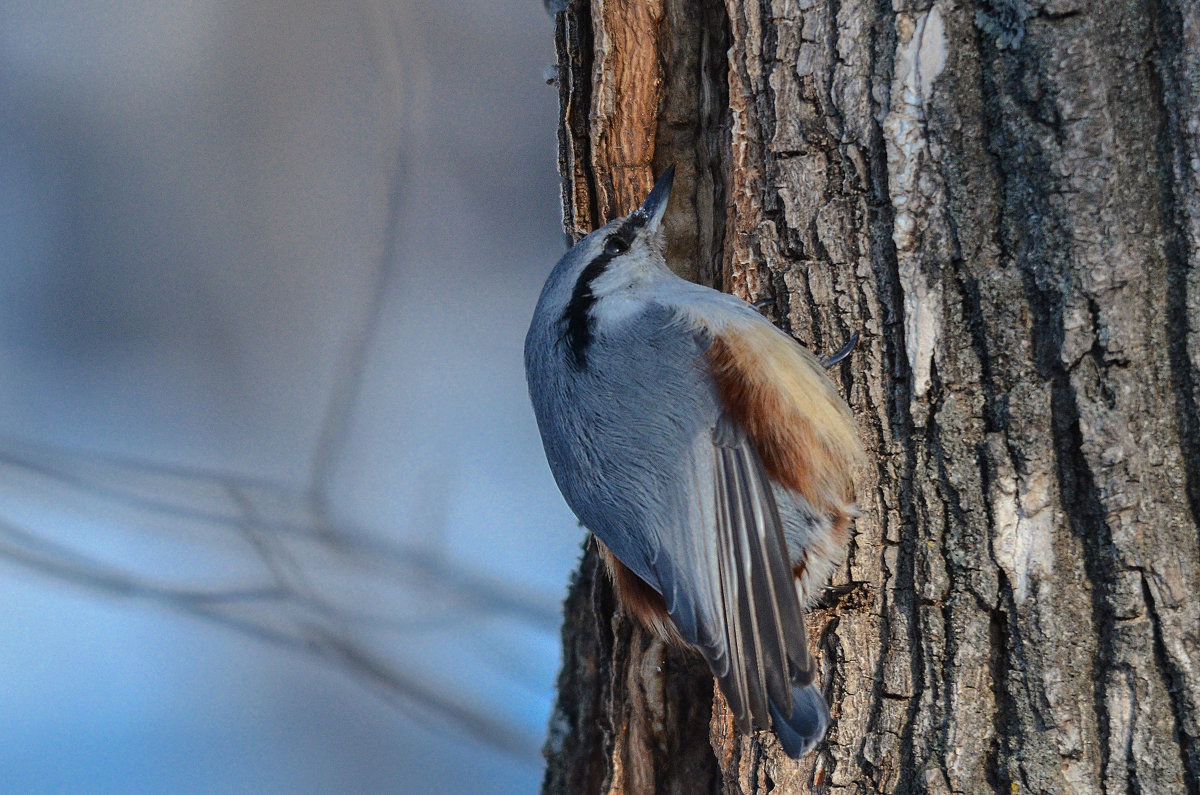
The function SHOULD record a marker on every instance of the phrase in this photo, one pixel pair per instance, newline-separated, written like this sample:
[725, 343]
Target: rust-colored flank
[800, 427]
[645, 603]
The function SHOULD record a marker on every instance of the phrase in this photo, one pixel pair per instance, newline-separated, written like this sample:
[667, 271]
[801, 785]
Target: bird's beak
[656, 203]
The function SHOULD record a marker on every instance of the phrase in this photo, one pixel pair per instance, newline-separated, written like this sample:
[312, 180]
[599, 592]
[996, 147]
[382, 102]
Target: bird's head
[600, 270]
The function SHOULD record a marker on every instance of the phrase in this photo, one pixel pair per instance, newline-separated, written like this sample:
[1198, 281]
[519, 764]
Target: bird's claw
[842, 352]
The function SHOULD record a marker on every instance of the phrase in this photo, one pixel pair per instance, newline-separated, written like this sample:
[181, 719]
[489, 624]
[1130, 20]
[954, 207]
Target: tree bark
[1003, 198]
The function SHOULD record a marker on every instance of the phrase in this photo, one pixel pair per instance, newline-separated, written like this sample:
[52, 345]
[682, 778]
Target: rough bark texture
[1004, 199]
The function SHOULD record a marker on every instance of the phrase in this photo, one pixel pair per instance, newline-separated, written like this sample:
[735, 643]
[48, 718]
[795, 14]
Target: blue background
[273, 511]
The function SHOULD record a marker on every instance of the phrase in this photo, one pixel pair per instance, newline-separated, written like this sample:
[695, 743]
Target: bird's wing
[727, 581]
[679, 494]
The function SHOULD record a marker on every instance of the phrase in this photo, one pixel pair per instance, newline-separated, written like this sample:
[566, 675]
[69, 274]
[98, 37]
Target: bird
[709, 454]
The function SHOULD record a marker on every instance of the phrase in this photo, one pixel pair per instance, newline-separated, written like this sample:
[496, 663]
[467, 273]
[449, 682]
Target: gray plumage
[650, 462]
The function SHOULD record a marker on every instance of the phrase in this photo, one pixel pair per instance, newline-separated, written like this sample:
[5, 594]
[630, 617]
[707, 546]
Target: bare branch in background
[297, 580]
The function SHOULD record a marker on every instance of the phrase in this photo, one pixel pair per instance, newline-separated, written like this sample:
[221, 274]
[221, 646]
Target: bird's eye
[614, 246]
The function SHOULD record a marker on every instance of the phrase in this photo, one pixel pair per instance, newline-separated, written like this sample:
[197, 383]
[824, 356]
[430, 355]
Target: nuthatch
[707, 451]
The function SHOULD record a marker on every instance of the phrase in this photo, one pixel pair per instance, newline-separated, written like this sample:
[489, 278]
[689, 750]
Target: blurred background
[274, 515]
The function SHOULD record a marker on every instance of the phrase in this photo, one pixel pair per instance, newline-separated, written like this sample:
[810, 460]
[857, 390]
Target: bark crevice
[1176, 690]
[1175, 174]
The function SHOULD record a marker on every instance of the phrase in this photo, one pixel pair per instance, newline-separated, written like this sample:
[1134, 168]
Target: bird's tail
[804, 728]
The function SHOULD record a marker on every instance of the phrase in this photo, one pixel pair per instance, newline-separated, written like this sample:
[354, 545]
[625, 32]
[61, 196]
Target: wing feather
[751, 626]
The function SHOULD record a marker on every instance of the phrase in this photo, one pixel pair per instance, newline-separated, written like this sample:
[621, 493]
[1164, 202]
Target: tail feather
[800, 732]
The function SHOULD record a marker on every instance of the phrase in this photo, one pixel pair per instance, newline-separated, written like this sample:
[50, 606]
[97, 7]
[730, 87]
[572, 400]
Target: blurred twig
[292, 598]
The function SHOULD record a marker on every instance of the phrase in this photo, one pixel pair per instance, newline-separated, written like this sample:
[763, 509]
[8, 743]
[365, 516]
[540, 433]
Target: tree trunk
[1003, 198]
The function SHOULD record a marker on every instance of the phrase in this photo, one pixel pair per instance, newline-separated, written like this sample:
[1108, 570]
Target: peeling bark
[1003, 198]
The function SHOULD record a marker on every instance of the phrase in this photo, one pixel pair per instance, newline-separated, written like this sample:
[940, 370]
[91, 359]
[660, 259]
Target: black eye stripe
[577, 317]
[631, 225]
